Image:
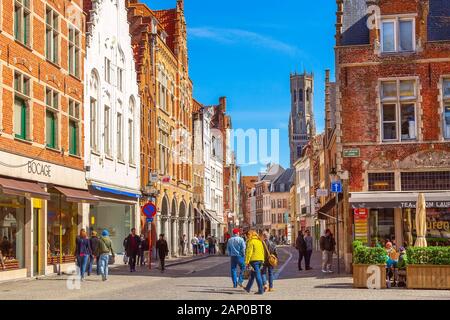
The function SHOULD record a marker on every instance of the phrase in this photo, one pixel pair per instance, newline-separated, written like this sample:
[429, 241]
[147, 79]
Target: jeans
[327, 257]
[104, 259]
[301, 255]
[132, 261]
[140, 258]
[82, 262]
[90, 264]
[256, 273]
[235, 262]
[264, 271]
[212, 249]
[308, 258]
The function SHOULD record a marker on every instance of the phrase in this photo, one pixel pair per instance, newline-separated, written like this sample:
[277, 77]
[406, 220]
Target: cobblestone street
[207, 279]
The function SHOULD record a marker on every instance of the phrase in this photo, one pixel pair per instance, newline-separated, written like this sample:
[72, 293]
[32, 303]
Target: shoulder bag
[273, 260]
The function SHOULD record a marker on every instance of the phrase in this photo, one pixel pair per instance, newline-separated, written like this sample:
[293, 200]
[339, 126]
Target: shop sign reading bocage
[39, 169]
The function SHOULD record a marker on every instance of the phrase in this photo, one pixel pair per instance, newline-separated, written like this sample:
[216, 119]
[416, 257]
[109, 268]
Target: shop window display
[381, 226]
[438, 226]
[62, 228]
[12, 216]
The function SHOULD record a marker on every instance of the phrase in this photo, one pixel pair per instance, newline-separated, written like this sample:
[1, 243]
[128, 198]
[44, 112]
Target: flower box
[427, 276]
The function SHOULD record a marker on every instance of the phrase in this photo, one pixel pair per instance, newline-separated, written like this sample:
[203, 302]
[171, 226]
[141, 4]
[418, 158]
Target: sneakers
[271, 289]
[240, 285]
[104, 278]
[266, 288]
[329, 271]
[324, 271]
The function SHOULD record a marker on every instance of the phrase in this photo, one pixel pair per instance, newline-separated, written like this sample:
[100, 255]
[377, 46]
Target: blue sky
[245, 50]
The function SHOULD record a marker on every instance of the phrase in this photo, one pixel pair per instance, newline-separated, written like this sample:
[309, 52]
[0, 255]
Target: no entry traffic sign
[149, 210]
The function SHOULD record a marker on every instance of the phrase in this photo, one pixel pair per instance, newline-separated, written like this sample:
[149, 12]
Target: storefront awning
[75, 195]
[398, 199]
[211, 216]
[23, 188]
[116, 191]
[323, 211]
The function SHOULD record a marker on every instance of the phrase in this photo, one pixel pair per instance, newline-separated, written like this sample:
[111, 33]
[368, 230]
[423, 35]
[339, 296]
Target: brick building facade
[392, 117]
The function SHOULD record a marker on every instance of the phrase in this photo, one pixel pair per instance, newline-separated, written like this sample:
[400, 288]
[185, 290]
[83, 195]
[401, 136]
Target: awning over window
[211, 216]
[23, 188]
[398, 199]
[323, 211]
[117, 191]
[75, 195]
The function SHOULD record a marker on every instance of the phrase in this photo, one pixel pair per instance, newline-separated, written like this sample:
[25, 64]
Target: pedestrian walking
[267, 269]
[194, 242]
[163, 250]
[131, 244]
[94, 256]
[236, 252]
[201, 244]
[104, 248]
[327, 246]
[140, 261]
[212, 245]
[300, 244]
[309, 249]
[254, 259]
[82, 252]
[183, 244]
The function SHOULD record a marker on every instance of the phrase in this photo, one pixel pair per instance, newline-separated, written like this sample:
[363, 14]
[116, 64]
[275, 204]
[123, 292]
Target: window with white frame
[107, 130]
[74, 128]
[51, 118]
[446, 99]
[398, 35]
[22, 100]
[74, 51]
[119, 137]
[107, 67]
[398, 110]
[131, 132]
[51, 35]
[22, 21]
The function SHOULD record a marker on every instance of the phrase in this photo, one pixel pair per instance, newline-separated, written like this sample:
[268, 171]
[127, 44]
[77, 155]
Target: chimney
[223, 104]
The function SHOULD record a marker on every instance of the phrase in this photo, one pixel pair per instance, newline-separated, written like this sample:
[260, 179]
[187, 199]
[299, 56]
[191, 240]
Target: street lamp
[334, 177]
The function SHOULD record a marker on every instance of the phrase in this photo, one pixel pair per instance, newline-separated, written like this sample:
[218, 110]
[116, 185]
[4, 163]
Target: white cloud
[233, 36]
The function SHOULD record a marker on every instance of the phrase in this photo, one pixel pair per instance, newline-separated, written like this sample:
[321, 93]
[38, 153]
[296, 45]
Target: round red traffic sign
[149, 209]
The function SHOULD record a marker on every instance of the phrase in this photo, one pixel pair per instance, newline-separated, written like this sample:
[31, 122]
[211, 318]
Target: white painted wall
[109, 38]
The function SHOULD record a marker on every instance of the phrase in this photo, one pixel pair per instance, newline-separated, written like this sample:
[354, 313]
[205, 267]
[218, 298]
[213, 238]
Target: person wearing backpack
[271, 249]
[104, 248]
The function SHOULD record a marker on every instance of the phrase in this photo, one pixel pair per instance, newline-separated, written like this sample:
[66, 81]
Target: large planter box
[360, 275]
[427, 276]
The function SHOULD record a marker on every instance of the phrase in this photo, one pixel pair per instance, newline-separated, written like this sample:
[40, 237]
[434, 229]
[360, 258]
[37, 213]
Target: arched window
[120, 69]
[131, 132]
[295, 95]
[300, 95]
[93, 109]
[308, 95]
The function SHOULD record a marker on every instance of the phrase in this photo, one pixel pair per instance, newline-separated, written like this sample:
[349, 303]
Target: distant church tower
[301, 121]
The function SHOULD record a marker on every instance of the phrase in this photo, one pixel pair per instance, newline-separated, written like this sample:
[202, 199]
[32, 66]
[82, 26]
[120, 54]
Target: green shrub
[357, 243]
[368, 255]
[429, 255]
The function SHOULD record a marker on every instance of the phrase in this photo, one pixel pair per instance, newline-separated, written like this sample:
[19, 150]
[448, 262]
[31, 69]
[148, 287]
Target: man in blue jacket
[236, 250]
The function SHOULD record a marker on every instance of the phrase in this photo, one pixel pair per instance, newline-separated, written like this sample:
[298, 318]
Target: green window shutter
[73, 136]
[50, 129]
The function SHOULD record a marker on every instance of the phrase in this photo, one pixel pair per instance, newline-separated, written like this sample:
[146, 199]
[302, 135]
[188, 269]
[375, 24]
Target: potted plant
[428, 268]
[366, 262]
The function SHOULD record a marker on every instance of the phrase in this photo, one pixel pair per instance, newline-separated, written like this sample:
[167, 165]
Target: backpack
[102, 246]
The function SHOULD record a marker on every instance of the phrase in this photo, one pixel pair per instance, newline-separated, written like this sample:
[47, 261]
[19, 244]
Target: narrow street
[207, 279]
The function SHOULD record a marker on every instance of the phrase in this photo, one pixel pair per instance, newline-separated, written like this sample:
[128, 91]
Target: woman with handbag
[270, 261]
[254, 258]
[104, 248]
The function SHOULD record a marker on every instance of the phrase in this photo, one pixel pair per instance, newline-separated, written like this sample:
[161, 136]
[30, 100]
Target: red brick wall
[359, 70]
[31, 62]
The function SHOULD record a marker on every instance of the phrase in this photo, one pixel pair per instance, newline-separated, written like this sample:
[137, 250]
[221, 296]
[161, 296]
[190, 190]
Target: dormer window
[398, 35]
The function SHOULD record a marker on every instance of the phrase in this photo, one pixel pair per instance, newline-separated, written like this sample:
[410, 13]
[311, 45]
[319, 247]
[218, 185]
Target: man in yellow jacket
[254, 257]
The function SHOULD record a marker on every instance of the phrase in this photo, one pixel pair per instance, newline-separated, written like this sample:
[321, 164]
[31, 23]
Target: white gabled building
[213, 179]
[112, 121]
